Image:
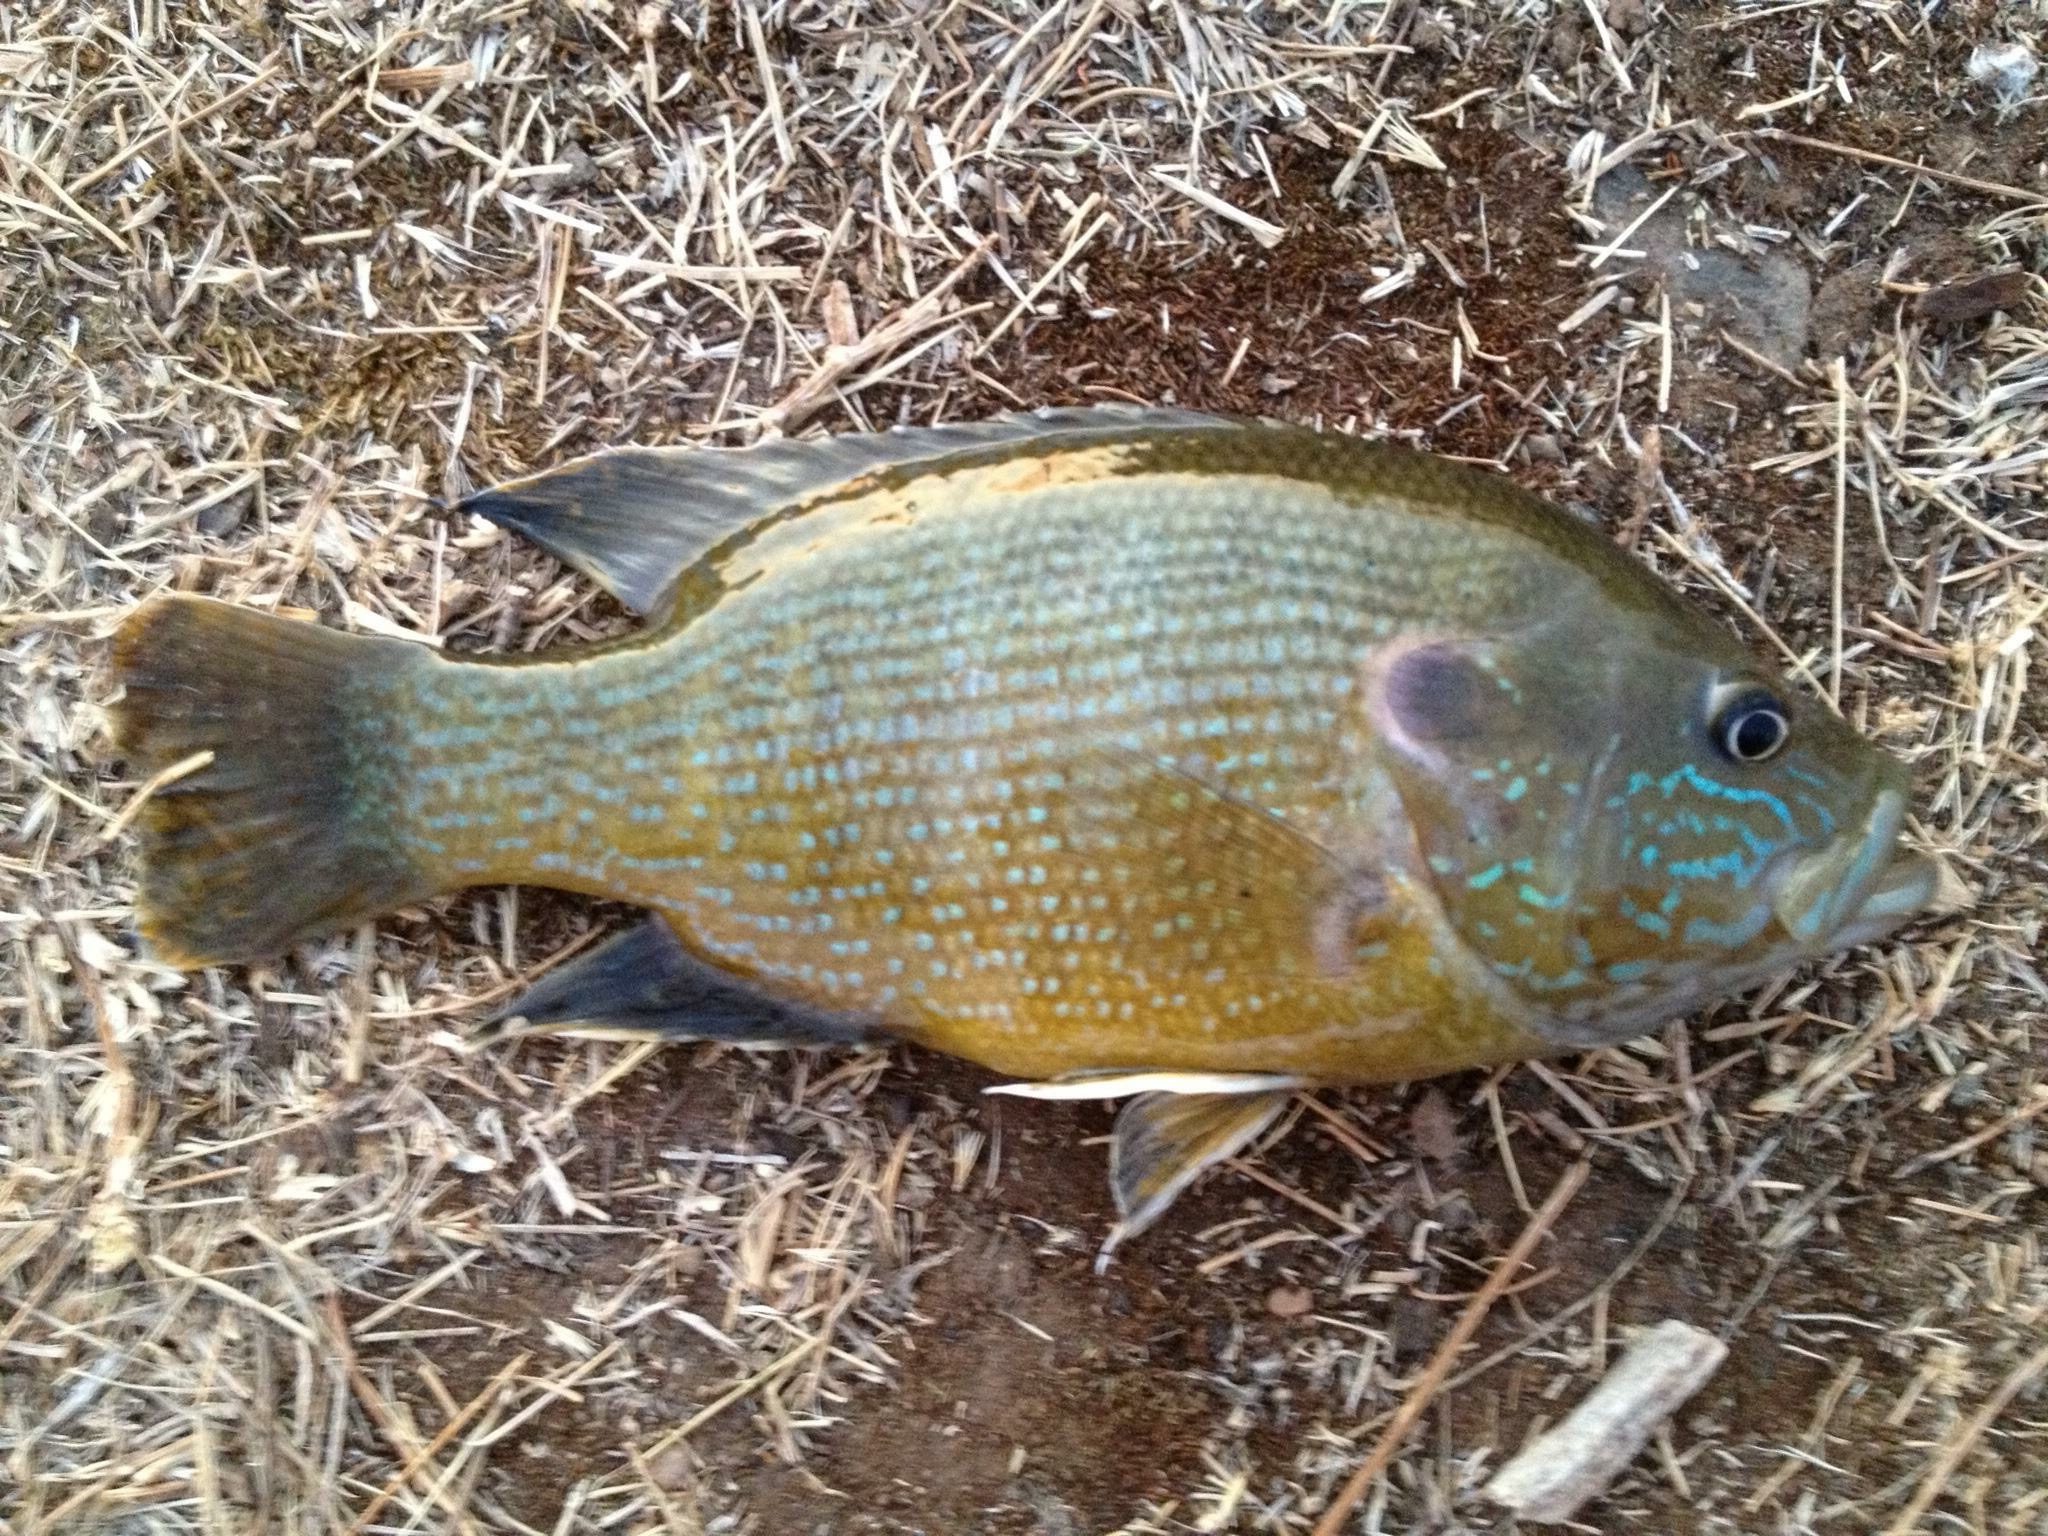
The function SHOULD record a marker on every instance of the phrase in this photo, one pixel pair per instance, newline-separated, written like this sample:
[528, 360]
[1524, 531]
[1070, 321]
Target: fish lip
[1856, 888]
[1906, 887]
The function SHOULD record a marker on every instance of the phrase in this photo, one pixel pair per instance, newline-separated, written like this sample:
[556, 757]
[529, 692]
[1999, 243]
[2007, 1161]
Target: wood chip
[1972, 298]
[1552, 1478]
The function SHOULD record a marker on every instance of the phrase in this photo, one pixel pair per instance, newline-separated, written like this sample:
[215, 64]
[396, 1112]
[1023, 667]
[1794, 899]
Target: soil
[1034, 1396]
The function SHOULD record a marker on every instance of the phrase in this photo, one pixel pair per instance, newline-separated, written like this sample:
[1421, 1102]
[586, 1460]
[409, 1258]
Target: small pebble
[1411, 1325]
[1631, 18]
[225, 516]
[1433, 1128]
[670, 1469]
[1290, 1301]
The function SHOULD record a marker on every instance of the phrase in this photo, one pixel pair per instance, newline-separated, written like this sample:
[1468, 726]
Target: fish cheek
[1472, 742]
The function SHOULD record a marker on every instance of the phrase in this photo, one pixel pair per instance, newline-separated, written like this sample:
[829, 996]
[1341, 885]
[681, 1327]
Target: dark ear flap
[1437, 694]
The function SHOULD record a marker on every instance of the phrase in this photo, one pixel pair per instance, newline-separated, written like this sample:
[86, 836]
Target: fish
[1134, 754]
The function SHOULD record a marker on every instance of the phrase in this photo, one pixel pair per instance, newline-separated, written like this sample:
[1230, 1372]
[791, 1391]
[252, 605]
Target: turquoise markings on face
[1667, 880]
[1691, 776]
[1650, 922]
[1737, 847]
[1827, 817]
[1730, 935]
[1525, 971]
[1730, 863]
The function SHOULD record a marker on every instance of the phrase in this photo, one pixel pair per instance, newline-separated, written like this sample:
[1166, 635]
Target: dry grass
[275, 1255]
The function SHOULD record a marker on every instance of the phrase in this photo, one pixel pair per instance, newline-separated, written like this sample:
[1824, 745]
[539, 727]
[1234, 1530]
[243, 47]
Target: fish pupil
[1752, 728]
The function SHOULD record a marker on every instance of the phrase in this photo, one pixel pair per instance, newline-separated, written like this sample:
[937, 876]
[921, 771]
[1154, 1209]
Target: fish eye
[1751, 727]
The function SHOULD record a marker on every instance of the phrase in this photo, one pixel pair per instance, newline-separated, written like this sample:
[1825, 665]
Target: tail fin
[271, 840]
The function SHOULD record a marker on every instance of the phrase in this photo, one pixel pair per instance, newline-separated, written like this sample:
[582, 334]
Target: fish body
[1092, 742]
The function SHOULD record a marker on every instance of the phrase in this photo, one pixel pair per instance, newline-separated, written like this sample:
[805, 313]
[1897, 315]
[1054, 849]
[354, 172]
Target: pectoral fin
[1163, 1140]
[1203, 881]
[646, 984]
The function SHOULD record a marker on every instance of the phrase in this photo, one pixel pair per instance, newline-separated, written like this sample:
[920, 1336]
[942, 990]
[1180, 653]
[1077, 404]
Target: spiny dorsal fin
[635, 519]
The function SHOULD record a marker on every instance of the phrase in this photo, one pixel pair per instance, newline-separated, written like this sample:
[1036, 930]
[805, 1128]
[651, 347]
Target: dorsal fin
[635, 519]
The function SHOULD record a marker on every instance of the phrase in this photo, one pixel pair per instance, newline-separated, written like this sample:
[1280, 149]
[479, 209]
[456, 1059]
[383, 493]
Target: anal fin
[647, 984]
[1163, 1140]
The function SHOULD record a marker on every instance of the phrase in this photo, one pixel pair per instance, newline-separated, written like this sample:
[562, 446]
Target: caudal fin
[280, 834]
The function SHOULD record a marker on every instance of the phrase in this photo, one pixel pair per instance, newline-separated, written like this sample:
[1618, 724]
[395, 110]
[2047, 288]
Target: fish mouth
[1858, 888]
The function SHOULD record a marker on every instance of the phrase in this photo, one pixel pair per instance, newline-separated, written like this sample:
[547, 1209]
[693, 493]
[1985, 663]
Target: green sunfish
[1137, 753]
